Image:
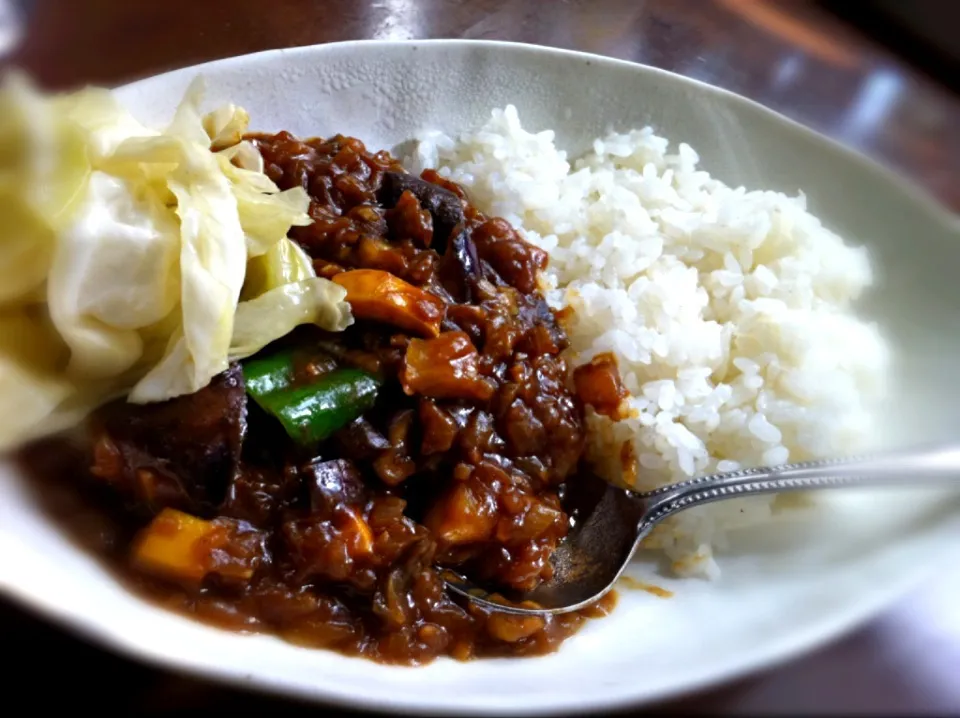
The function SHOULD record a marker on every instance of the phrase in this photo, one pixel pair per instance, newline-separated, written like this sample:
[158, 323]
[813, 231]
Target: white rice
[729, 311]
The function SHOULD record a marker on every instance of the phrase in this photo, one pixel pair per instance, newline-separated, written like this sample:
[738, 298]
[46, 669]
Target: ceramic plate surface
[783, 590]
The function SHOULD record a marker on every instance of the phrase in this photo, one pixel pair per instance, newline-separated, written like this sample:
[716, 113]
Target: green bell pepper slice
[311, 412]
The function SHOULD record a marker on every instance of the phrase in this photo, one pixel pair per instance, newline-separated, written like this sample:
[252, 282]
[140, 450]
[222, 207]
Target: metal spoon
[610, 522]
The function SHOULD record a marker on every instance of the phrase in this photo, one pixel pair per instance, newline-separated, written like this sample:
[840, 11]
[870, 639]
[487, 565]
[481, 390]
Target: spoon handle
[938, 465]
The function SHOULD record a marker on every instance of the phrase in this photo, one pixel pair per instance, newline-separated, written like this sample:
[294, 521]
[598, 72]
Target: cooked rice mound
[730, 312]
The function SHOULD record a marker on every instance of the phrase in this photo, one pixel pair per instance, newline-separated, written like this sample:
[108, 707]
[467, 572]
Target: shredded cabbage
[136, 262]
[225, 126]
[284, 263]
[113, 273]
[212, 265]
[43, 167]
[265, 212]
[277, 312]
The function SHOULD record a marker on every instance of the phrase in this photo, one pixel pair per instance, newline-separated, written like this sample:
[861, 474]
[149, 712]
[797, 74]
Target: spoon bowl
[610, 523]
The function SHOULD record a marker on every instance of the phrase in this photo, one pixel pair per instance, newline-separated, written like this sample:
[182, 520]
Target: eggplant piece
[535, 313]
[459, 268]
[258, 493]
[361, 440]
[332, 484]
[181, 453]
[442, 204]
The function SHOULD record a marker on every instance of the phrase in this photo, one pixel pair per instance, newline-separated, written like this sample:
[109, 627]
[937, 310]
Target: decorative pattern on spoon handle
[689, 497]
[936, 465]
[765, 471]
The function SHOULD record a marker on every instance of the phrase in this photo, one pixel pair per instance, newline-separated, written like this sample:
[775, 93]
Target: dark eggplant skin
[460, 267]
[442, 204]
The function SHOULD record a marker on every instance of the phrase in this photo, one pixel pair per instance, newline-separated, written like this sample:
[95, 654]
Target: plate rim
[775, 654]
[918, 194]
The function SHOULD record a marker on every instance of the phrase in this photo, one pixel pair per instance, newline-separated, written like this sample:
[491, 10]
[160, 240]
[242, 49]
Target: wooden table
[789, 55]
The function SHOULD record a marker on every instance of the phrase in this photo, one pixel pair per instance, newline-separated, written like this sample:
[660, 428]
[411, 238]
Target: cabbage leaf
[279, 311]
[137, 262]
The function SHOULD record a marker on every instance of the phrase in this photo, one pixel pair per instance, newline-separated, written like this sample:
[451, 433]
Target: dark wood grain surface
[789, 55]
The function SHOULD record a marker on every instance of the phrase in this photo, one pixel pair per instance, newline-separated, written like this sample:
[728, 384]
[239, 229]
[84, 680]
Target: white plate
[782, 591]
